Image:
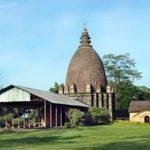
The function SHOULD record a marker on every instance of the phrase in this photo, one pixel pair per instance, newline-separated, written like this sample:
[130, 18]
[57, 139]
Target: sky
[39, 37]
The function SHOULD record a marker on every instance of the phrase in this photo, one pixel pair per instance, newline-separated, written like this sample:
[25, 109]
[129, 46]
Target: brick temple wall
[106, 100]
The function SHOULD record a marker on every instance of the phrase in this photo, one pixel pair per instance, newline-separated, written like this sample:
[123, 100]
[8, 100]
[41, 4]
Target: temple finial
[85, 38]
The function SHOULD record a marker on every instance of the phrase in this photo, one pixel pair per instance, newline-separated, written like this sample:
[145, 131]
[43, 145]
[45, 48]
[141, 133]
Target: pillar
[95, 100]
[111, 105]
[18, 119]
[5, 120]
[50, 114]
[45, 112]
[56, 113]
[105, 100]
[100, 100]
[61, 116]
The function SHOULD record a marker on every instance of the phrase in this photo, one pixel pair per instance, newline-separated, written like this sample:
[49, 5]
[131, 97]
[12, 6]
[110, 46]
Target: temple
[86, 79]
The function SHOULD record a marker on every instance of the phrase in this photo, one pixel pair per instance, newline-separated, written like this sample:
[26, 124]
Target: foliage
[97, 111]
[7, 114]
[120, 68]
[99, 115]
[55, 89]
[144, 92]
[5, 120]
[67, 125]
[18, 121]
[144, 89]
[126, 95]
[76, 117]
[121, 73]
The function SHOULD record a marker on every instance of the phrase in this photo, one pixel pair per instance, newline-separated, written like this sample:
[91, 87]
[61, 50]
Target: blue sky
[39, 37]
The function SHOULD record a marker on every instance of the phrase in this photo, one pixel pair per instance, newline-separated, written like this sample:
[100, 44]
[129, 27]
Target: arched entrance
[146, 119]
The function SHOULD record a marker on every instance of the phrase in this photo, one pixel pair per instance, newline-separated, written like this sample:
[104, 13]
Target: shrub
[67, 125]
[76, 117]
[5, 118]
[99, 115]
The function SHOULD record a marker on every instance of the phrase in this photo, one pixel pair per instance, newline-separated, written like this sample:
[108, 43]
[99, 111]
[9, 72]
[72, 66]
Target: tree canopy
[120, 68]
[55, 89]
[121, 73]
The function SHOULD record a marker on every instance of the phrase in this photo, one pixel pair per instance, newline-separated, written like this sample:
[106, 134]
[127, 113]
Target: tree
[144, 89]
[121, 73]
[120, 69]
[127, 94]
[55, 89]
[144, 93]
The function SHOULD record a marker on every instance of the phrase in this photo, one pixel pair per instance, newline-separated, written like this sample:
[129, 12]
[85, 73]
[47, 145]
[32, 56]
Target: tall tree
[121, 73]
[120, 69]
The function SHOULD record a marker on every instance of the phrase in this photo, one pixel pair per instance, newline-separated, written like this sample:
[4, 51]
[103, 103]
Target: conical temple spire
[85, 38]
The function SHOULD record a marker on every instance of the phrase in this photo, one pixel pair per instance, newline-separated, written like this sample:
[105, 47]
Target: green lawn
[117, 136]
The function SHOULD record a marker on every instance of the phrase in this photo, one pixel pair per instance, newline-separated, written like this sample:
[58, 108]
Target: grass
[118, 136]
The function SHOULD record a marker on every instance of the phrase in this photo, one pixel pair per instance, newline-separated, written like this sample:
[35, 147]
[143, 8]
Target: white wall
[14, 95]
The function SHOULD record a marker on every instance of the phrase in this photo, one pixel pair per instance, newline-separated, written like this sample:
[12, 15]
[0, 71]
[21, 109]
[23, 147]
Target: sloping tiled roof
[49, 96]
[137, 106]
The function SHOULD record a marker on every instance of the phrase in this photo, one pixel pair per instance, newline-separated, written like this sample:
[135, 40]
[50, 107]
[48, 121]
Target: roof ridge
[31, 88]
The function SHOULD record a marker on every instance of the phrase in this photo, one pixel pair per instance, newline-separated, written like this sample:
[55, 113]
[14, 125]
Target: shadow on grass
[143, 143]
[124, 146]
[134, 143]
[7, 143]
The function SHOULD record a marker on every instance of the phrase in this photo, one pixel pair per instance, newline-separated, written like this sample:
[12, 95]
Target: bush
[99, 116]
[5, 118]
[76, 117]
[67, 125]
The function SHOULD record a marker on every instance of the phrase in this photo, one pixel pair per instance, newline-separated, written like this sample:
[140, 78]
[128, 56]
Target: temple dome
[86, 67]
